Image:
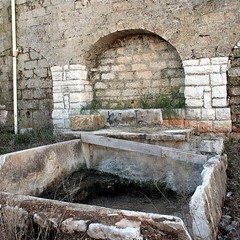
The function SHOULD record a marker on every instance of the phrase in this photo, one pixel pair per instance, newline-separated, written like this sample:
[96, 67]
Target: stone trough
[27, 173]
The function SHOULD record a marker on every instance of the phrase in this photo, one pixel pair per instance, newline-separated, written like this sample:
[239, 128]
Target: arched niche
[131, 67]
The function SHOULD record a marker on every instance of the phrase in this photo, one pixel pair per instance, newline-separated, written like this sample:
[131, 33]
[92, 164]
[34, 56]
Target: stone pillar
[206, 95]
[71, 90]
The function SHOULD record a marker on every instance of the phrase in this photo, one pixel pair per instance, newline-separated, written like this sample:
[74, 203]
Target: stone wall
[33, 77]
[72, 32]
[66, 31]
[34, 89]
[234, 87]
[5, 56]
[134, 67]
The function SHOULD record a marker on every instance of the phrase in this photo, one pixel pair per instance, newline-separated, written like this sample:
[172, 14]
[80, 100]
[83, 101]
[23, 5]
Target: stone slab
[144, 148]
[86, 122]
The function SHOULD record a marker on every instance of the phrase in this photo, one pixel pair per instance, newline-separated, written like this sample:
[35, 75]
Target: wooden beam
[149, 149]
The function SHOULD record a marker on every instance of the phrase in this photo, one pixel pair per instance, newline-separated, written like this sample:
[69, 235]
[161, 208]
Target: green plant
[91, 107]
[168, 102]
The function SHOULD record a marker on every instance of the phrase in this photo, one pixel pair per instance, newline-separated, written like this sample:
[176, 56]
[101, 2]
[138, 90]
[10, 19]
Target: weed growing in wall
[167, 102]
[91, 107]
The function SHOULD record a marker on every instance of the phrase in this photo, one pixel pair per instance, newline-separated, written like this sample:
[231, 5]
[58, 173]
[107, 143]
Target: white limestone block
[208, 114]
[222, 126]
[56, 69]
[192, 102]
[67, 82]
[60, 114]
[204, 69]
[219, 60]
[223, 114]
[58, 105]
[80, 97]
[83, 75]
[77, 67]
[58, 123]
[76, 98]
[207, 89]
[193, 114]
[225, 68]
[70, 226]
[219, 92]
[218, 79]
[207, 99]
[57, 76]
[57, 97]
[193, 92]
[197, 80]
[219, 102]
[66, 68]
[100, 231]
[58, 83]
[57, 89]
[73, 74]
[191, 62]
[72, 88]
[204, 61]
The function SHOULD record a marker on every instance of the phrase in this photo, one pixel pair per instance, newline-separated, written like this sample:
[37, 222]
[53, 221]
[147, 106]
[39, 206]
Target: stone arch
[233, 86]
[127, 66]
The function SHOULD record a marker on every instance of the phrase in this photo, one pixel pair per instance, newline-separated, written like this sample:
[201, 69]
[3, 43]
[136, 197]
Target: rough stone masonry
[75, 51]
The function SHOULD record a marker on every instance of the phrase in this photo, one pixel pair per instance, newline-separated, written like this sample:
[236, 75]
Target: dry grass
[9, 142]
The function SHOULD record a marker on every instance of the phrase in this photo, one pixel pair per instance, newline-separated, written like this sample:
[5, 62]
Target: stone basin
[29, 172]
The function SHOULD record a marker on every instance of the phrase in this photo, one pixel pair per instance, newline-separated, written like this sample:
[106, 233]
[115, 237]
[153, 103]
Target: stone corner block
[86, 122]
[223, 114]
[56, 69]
[222, 126]
[193, 114]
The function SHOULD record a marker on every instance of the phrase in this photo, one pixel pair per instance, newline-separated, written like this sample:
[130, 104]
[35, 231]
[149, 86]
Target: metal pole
[14, 53]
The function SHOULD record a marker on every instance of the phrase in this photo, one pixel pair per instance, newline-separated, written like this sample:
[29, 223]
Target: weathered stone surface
[44, 213]
[86, 122]
[120, 48]
[3, 115]
[70, 225]
[132, 116]
[30, 171]
[206, 203]
[100, 231]
[224, 126]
